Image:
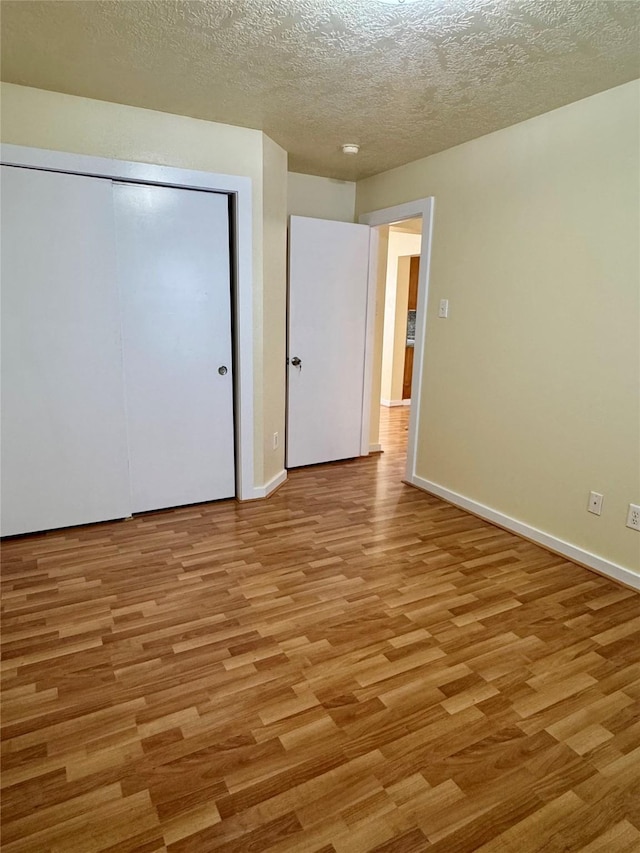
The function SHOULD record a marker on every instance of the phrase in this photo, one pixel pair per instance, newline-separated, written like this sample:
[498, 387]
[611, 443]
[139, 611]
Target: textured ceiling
[404, 81]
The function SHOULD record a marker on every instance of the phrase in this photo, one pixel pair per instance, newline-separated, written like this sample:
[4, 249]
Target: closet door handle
[222, 370]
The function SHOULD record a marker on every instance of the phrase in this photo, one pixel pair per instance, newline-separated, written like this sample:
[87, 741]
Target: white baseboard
[270, 486]
[552, 543]
[375, 448]
[390, 403]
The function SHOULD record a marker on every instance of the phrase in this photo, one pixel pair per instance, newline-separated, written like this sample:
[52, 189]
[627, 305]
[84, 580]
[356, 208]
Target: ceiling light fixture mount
[350, 148]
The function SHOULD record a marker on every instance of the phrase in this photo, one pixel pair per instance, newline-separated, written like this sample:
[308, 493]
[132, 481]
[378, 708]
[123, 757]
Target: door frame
[238, 189]
[424, 208]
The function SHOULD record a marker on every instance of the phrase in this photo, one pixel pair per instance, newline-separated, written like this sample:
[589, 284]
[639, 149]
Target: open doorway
[396, 323]
[398, 337]
[392, 384]
[337, 290]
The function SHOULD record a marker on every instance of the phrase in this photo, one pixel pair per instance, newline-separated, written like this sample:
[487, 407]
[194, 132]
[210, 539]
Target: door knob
[296, 362]
[222, 370]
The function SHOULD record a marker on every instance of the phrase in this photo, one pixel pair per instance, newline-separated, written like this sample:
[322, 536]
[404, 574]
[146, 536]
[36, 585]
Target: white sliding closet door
[63, 426]
[175, 291]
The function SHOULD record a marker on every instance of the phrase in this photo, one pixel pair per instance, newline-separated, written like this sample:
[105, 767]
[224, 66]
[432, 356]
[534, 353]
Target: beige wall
[274, 303]
[321, 198]
[401, 246]
[51, 120]
[531, 386]
[60, 122]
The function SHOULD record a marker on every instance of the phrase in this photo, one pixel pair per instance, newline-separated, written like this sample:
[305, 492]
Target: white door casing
[64, 455]
[175, 292]
[328, 277]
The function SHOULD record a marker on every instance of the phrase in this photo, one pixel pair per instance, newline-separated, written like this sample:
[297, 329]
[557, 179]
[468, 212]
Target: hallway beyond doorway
[394, 431]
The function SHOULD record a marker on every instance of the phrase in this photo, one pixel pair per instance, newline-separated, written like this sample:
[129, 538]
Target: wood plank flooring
[349, 666]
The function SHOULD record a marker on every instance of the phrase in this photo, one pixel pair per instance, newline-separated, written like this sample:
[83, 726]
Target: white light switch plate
[443, 310]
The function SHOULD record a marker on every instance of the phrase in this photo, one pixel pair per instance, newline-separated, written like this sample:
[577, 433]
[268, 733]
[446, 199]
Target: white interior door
[64, 447]
[175, 291]
[328, 270]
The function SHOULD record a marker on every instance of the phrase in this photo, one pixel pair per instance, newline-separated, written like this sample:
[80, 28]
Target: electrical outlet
[276, 441]
[633, 517]
[595, 503]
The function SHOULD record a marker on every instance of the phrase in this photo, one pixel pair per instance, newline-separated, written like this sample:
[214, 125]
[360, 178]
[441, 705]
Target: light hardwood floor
[351, 665]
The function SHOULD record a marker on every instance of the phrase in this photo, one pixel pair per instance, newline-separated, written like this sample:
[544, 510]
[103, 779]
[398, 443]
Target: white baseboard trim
[390, 403]
[552, 543]
[375, 448]
[270, 486]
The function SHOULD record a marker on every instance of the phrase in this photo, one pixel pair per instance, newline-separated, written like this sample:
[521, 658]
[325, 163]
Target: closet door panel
[64, 449]
[174, 279]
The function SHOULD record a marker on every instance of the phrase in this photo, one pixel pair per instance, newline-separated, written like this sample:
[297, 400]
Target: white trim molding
[269, 487]
[391, 403]
[546, 540]
[422, 207]
[238, 188]
[375, 448]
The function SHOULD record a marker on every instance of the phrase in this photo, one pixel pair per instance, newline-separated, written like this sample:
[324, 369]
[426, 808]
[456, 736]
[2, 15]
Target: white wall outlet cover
[595, 503]
[443, 309]
[633, 517]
